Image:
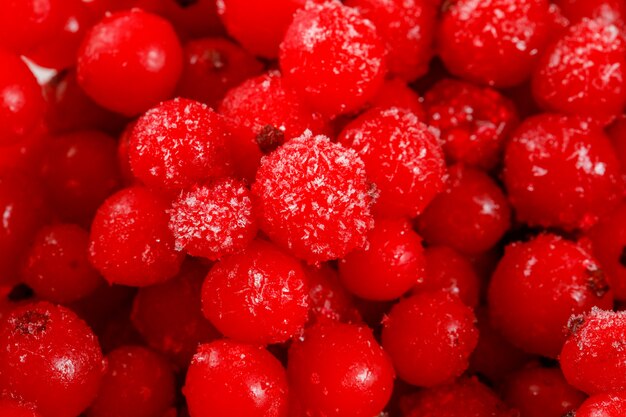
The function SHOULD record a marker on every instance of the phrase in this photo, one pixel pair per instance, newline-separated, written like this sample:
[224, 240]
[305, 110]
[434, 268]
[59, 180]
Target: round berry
[259, 295]
[333, 57]
[26, 23]
[339, 370]
[584, 72]
[130, 61]
[25, 155]
[473, 121]
[230, 379]
[471, 215]
[137, 383]
[178, 144]
[328, 299]
[390, 266]
[56, 265]
[603, 405]
[402, 158]
[593, 358]
[538, 285]
[12, 408]
[314, 198]
[561, 171]
[130, 243]
[51, 359]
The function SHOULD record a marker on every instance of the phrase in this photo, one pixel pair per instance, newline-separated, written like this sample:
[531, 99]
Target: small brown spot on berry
[270, 138]
[597, 282]
[574, 323]
[32, 323]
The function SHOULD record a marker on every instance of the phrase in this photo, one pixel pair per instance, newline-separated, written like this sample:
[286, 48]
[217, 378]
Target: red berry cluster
[312, 208]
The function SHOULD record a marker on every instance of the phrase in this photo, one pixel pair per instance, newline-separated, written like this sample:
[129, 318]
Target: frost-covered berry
[603, 405]
[213, 220]
[314, 198]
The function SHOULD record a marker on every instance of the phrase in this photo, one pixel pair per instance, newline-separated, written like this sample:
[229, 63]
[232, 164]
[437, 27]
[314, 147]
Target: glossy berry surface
[402, 158]
[429, 337]
[11, 408]
[328, 299]
[339, 71]
[560, 171]
[612, 11]
[538, 285]
[257, 296]
[397, 93]
[130, 61]
[26, 23]
[50, 358]
[314, 198]
[130, 242]
[339, 370]
[230, 379]
[605, 405]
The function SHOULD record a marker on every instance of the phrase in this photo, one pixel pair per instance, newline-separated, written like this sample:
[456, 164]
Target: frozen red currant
[392, 263]
[473, 121]
[538, 285]
[130, 243]
[339, 370]
[611, 11]
[178, 144]
[13, 408]
[402, 158]
[603, 405]
[471, 215]
[593, 358]
[26, 23]
[561, 171]
[50, 358]
[328, 299]
[130, 61]
[137, 383]
[396, 93]
[259, 295]
[314, 198]
[230, 379]
[333, 57]
[584, 72]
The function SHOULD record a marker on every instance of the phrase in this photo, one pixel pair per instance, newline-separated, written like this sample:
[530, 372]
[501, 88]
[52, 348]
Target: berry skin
[138, 383]
[56, 265]
[396, 93]
[402, 157]
[26, 23]
[560, 171]
[538, 285]
[24, 156]
[328, 299]
[191, 18]
[611, 11]
[259, 27]
[474, 121]
[471, 215]
[390, 266]
[617, 134]
[11, 408]
[603, 405]
[332, 57]
[21, 100]
[51, 359]
[314, 198]
[408, 30]
[584, 72]
[130, 243]
[258, 296]
[541, 392]
[593, 358]
[212, 66]
[493, 42]
[230, 379]
[339, 370]
[130, 61]
[429, 337]
[178, 144]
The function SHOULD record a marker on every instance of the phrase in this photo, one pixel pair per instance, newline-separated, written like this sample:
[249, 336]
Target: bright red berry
[12, 408]
[396, 93]
[603, 405]
[328, 299]
[26, 23]
[611, 11]
[24, 156]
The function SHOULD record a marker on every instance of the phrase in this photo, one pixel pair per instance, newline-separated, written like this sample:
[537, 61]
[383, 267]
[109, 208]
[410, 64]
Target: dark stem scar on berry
[32, 323]
[597, 282]
[21, 292]
[270, 138]
[574, 323]
[622, 257]
[186, 3]
[217, 59]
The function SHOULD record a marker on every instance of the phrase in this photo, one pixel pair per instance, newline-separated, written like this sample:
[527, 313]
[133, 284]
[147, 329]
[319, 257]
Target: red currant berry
[538, 285]
[230, 379]
[24, 156]
[396, 93]
[137, 383]
[56, 265]
[212, 66]
[244, 150]
[328, 299]
[603, 405]
[390, 266]
[130, 242]
[617, 134]
[474, 121]
[593, 358]
[339, 370]
[259, 295]
[314, 198]
[26, 23]
[610, 11]
[402, 157]
[584, 72]
[471, 215]
[12, 408]
[123, 155]
[494, 42]
[429, 338]
[130, 61]
[51, 358]
[333, 57]
[561, 171]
